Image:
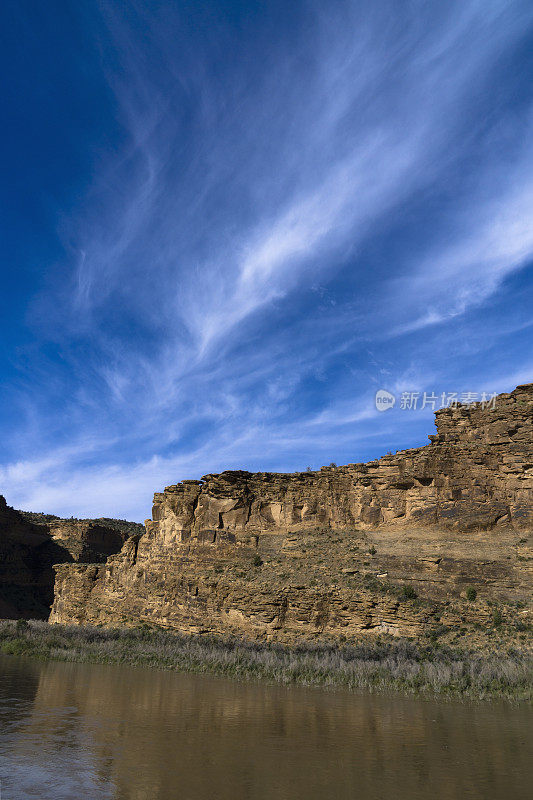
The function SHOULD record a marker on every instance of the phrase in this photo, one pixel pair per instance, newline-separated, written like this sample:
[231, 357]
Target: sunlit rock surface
[326, 553]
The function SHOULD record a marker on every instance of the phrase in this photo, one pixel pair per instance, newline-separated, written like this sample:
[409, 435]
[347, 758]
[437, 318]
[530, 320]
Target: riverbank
[399, 665]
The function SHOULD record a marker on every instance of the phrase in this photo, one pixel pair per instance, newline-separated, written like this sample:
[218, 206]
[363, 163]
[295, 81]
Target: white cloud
[236, 190]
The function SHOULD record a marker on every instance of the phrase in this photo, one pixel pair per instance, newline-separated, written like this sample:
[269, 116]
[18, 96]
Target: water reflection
[71, 731]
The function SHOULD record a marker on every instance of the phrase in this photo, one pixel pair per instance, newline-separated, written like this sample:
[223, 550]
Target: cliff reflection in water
[72, 730]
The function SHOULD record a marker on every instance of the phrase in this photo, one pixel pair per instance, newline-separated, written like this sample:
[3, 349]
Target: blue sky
[226, 225]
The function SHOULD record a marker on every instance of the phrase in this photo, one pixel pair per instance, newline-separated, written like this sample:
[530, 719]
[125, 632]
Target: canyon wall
[29, 550]
[326, 553]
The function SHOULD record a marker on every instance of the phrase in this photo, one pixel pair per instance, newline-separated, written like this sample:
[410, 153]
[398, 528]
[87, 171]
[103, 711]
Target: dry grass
[396, 665]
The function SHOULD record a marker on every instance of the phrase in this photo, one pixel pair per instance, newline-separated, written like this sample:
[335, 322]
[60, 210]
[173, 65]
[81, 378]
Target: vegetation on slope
[375, 665]
[122, 525]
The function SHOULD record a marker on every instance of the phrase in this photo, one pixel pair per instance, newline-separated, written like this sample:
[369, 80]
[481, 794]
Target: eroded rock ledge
[301, 555]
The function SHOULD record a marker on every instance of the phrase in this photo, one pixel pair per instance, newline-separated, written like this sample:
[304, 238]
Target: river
[79, 731]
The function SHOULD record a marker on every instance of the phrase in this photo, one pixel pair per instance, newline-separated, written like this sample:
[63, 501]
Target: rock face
[28, 551]
[325, 553]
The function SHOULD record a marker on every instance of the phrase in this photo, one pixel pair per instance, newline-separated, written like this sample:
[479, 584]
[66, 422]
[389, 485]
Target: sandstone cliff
[326, 553]
[30, 544]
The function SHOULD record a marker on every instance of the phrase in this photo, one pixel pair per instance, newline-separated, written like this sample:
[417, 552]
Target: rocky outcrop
[326, 553]
[28, 551]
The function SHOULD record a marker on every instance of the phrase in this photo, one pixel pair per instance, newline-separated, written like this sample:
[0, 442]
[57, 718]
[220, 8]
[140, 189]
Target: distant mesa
[30, 544]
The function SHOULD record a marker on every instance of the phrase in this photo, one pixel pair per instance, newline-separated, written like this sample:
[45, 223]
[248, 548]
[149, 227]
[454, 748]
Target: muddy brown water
[79, 731]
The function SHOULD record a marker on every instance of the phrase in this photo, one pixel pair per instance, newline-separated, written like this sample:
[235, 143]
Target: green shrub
[436, 632]
[14, 647]
[408, 593]
[497, 618]
[471, 593]
[372, 551]
[258, 561]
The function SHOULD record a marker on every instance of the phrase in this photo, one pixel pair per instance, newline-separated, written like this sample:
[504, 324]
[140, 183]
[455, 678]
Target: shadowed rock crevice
[30, 546]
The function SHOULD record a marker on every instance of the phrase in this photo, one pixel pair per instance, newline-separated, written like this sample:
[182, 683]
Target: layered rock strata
[28, 551]
[325, 553]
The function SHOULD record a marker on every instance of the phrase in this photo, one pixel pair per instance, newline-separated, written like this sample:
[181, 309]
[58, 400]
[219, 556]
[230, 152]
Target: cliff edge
[431, 538]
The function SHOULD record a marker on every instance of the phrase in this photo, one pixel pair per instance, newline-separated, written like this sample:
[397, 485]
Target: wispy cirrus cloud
[291, 201]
